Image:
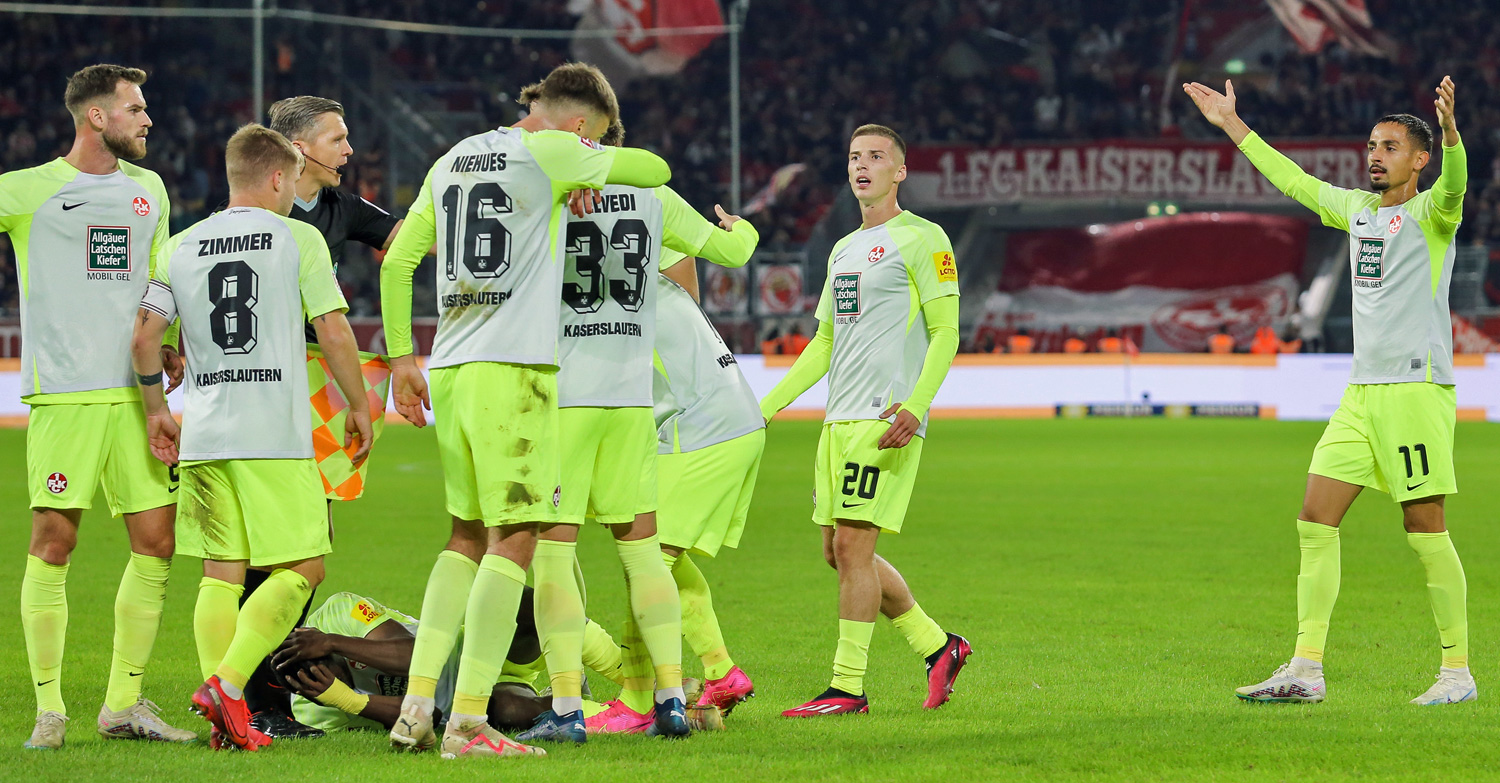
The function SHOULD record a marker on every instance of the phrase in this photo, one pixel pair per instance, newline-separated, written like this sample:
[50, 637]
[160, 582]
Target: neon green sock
[924, 635]
[560, 621]
[700, 625]
[443, 607]
[601, 653]
[853, 656]
[489, 628]
[654, 602]
[1317, 587]
[143, 590]
[214, 618]
[636, 677]
[44, 621]
[266, 618]
[1448, 591]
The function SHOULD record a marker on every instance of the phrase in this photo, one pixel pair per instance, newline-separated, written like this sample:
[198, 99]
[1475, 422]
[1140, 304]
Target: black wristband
[149, 380]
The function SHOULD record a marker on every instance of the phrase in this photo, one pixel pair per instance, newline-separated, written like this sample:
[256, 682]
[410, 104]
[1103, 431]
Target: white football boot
[1452, 687]
[1297, 681]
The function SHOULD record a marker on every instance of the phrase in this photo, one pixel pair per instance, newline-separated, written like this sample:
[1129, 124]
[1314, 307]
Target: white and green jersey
[84, 245]
[609, 297]
[347, 614]
[1401, 259]
[878, 280]
[701, 396]
[245, 281]
[497, 201]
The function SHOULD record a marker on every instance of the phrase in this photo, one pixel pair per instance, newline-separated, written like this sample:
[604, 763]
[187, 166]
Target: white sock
[563, 705]
[467, 723]
[662, 694]
[423, 704]
[1462, 673]
[1307, 663]
[231, 690]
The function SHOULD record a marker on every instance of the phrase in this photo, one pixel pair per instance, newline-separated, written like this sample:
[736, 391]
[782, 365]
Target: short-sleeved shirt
[497, 202]
[609, 294]
[340, 217]
[701, 397]
[878, 280]
[245, 281]
[84, 246]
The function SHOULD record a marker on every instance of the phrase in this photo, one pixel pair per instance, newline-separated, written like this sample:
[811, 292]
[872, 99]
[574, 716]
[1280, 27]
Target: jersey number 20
[232, 289]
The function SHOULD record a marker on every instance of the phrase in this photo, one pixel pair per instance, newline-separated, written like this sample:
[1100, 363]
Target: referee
[316, 127]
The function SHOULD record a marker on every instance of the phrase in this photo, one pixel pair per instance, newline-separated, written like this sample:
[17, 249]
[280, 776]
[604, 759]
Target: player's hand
[901, 430]
[303, 644]
[310, 681]
[163, 434]
[1444, 106]
[1217, 107]
[173, 366]
[726, 220]
[357, 429]
[409, 390]
[584, 202]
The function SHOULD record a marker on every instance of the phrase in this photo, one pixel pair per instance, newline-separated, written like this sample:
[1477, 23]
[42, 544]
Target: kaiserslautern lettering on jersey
[497, 200]
[878, 280]
[702, 398]
[84, 246]
[244, 282]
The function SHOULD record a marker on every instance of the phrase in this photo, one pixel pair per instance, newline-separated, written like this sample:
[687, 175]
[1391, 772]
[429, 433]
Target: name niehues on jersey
[488, 161]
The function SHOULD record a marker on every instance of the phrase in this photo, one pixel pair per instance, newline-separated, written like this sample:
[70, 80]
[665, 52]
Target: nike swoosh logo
[67, 206]
[1359, 222]
[1449, 646]
[40, 684]
[135, 674]
[856, 505]
[1408, 489]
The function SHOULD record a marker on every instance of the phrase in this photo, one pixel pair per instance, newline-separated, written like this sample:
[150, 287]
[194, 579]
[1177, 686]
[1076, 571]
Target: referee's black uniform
[341, 216]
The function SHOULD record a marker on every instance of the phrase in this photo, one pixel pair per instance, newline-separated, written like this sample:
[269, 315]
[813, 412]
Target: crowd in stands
[982, 72]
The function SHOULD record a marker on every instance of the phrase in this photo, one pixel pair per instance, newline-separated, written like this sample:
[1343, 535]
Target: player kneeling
[245, 282]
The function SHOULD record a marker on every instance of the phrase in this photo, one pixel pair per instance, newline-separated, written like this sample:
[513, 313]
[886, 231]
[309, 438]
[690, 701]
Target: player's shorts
[704, 495]
[609, 464]
[72, 449]
[498, 440]
[266, 511]
[341, 479]
[856, 481]
[1394, 437]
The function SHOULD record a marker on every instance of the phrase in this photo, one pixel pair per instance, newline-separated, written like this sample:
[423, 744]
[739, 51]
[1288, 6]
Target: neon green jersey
[878, 280]
[1401, 259]
[84, 246]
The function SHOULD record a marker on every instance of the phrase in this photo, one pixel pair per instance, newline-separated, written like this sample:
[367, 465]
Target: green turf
[1117, 580]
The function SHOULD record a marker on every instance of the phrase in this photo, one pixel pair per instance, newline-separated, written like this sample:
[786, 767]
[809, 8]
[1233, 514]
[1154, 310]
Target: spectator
[1020, 342]
[771, 345]
[1221, 342]
[1265, 342]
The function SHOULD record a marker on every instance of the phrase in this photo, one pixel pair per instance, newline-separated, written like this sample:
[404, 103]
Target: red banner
[1113, 170]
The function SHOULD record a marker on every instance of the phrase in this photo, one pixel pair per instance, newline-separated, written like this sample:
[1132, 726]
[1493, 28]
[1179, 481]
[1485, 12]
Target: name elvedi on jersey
[252, 375]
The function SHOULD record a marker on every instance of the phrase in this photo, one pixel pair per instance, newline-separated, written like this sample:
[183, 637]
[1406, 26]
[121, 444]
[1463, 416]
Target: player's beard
[1380, 186]
[125, 147]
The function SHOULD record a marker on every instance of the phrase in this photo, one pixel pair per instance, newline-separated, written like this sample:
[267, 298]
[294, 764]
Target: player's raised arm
[1453, 180]
[418, 233]
[1309, 191]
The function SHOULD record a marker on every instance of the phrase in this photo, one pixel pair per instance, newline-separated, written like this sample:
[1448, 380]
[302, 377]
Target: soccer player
[494, 375]
[710, 435]
[887, 334]
[84, 228]
[316, 127]
[245, 281]
[608, 327]
[349, 665]
[1393, 430]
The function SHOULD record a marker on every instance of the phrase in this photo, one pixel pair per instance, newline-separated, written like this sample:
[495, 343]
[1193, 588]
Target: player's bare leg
[1300, 680]
[1447, 588]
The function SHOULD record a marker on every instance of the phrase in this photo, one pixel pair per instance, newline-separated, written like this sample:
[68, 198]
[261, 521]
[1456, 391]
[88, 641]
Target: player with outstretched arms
[1393, 430]
[615, 243]
[245, 282]
[495, 206]
[887, 334]
[84, 228]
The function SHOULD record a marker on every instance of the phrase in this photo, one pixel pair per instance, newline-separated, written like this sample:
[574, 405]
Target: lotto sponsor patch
[947, 271]
[365, 613]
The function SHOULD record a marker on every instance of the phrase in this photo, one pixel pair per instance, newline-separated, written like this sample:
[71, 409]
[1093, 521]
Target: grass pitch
[1117, 579]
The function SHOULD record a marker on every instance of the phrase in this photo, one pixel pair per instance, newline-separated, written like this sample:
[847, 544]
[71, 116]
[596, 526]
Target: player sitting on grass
[1393, 430]
[349, 664]
[887, 334]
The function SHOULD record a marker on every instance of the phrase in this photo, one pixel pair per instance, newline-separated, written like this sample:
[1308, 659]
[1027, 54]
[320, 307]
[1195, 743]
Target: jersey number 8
[232, 289]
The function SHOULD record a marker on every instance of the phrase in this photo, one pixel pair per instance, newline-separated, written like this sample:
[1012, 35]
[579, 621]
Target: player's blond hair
[296, 118]
[89, 85]
[254, 153]
[882, 131]
[574, 85]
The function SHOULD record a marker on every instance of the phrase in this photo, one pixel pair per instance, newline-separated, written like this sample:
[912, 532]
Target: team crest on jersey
[876, 253]
[1369, 263]
[142, 206]
[57, 483]
[1395, 225]
[108, 251]
[557, 496]
[947, 271]
[846, 293]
